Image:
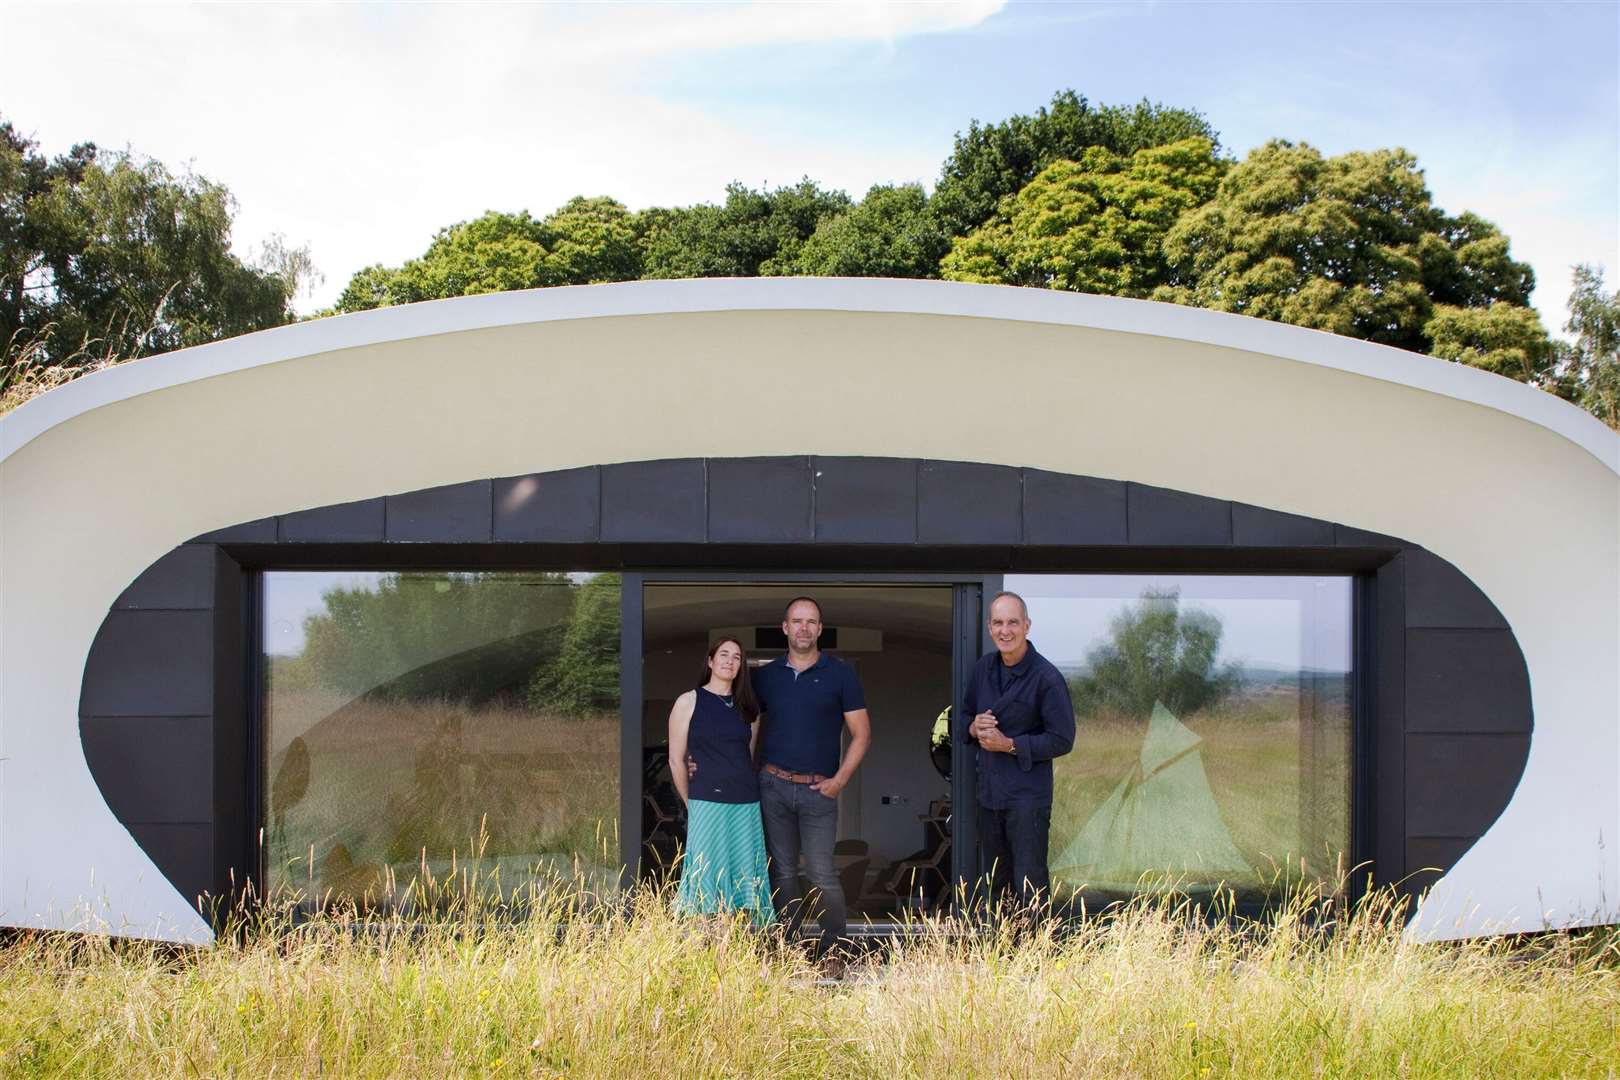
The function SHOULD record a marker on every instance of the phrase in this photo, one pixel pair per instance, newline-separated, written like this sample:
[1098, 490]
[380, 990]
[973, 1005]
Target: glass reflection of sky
[1290, 623]
[292, 595]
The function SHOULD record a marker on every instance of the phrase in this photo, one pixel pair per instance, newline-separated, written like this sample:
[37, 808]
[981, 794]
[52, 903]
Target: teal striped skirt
[724, 866]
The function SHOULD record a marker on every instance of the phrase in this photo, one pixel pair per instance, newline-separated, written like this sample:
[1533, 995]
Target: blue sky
[359, 130]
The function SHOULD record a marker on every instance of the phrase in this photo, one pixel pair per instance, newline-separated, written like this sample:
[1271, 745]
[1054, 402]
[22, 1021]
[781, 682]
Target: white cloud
[361, 130]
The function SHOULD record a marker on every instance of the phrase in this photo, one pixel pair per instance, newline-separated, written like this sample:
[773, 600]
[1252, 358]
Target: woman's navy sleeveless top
[717, 740]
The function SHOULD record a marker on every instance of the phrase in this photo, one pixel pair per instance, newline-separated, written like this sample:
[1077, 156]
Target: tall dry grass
[617, 987]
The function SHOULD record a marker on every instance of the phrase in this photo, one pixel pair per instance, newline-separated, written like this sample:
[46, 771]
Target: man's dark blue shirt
[1032, 707]
[804, 712]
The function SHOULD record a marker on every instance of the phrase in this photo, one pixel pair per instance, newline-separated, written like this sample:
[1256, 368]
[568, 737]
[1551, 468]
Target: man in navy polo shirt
[1022, 719]
[808, 698]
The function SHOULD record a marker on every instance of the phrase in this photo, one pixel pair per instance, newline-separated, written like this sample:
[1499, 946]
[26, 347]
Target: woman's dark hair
[742, 688]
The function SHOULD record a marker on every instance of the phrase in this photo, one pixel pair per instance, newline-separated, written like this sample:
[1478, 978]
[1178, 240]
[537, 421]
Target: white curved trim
[875, 295]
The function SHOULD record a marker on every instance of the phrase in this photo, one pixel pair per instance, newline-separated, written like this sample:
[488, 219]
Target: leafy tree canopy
[992, 161]
[586, 241]
[111, 254]
[1351, 244]
[1505, 339]
[1157, 651]
[891, 233]
[752, 234]
[1093, 225]
[1588, 368]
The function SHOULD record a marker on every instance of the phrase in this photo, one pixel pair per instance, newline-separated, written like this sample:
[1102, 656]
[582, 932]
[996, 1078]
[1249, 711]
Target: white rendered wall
[1521, 492]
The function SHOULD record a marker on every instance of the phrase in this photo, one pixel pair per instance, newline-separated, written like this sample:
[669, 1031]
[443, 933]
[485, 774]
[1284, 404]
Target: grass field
[393, 788]
[628, 991]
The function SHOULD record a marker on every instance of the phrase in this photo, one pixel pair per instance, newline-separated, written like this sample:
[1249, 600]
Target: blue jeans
[1013, 846]
[800, 821]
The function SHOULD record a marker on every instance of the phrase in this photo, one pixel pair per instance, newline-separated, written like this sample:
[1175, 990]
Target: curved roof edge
[875, 295]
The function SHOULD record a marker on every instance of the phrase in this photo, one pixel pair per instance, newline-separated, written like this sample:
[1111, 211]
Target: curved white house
[305, 607]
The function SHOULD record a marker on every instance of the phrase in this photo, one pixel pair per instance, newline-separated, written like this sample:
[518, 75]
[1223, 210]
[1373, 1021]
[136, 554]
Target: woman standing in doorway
[715, 725]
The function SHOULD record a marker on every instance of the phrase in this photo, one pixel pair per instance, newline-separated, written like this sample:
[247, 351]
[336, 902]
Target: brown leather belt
[794, 777]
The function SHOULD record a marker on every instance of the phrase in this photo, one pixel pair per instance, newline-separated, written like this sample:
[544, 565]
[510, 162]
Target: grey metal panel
[964, 502]
[345, 523]
[152, 769]
[1160, 517]
[150, 663]
[1346, 536]
[1435, 853]
[556, 507]
[262, 531]
[1438, 594]
[1387, 785]
[235, 773]
[454, 513]
[866, 500]
[761, 500]
[1255, 526]
[1073, 511]
[183, 852]
[1428, 857]
[654, 500]
[184, 578]
[1465, 681]
[1457, 785]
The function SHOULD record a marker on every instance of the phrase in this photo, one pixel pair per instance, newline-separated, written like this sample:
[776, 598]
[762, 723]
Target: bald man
[1021, 719]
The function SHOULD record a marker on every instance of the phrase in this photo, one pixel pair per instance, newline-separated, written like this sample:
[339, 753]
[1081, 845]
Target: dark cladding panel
[455, 513]
[549, 508]
[1438, 594]
[345, 523]
[649, 501]
[150, 663]
[760, 500]
[1345, 536]
[1255, 526]
[234, 806]
[153, 769]
[182, 579]
[960, 502]
[1386, 754]
[1456, 785]
[1073, 511]
[1466, 681]
[1159, 517]
[185, 854]
[866, 500]
[1428, 857]
[262, 531]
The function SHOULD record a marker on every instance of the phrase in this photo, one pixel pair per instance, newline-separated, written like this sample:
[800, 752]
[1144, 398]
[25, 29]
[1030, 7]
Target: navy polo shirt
[1032, 707]
[804, 712]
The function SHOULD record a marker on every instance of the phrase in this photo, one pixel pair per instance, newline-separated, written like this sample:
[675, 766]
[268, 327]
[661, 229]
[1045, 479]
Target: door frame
[969, 639]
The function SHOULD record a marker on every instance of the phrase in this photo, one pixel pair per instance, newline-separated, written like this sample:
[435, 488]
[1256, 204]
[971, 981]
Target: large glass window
[439, 725]
[1214, 741]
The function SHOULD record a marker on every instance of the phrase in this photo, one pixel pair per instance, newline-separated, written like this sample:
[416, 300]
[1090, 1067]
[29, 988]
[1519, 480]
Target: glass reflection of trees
[1189, 770]
[433, 718]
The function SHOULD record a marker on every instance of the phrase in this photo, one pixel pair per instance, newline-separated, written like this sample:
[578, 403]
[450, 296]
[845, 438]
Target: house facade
[337, 604]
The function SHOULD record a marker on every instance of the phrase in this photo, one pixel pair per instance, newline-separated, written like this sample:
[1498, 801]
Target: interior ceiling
[900, 611]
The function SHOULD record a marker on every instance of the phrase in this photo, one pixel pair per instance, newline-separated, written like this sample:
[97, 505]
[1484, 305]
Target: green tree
[1505, 339]
[990, 162]
[890, 233]
[462, 636]
[753, 233]
[110, 253]
[1588, 368]
[584, 242]
[1351, 244]
[1093, 225]
[583, 677]
[1157, 651]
